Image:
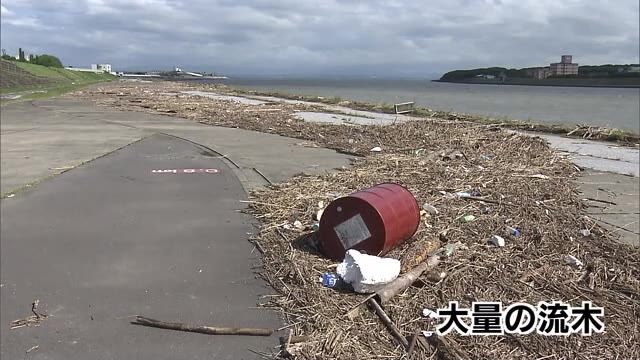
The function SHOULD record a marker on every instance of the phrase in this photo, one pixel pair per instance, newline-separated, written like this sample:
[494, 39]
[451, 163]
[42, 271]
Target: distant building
[539, 73]
[101, 67]
[80, 69]
[95, 68]
[564, 67]
[542, 73]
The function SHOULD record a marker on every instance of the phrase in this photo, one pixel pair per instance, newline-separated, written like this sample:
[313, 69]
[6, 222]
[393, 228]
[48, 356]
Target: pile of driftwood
[518, 182]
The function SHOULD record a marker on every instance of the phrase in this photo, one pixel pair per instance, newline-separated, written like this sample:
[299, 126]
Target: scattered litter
[435, 276]
[11, 195]
[486, 157]
[33, 348]
[487, 210]
[463, 194]
[573, 261]
[318, 215]
[430, 209]
[476, 193]
[364, 271]
[315, 227]
[429, 314]
[376, 149]
[450, 249]
[298, 225]
[448, 195]
[329, 280]
[513, 231]
[468, 218]
[496, 241]
[585, 232]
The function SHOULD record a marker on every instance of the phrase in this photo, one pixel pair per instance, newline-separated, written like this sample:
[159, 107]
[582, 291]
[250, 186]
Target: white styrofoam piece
[364, 271]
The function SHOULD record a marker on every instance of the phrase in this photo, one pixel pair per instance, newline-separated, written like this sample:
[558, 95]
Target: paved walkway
[610, 184]
[151, 229]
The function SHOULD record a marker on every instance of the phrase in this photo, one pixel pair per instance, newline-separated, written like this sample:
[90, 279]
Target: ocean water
[610, 107]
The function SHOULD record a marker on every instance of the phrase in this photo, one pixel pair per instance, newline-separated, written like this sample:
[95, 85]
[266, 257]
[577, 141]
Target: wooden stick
[294, 339]
[388, 323]
[403, 282]
[210, 330]
[412, 344]
[602, 201]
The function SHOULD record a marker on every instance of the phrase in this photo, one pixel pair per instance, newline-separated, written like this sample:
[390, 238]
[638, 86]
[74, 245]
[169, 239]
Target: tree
[47, 60]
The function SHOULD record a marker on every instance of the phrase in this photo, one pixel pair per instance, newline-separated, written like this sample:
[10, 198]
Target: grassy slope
[61, 81]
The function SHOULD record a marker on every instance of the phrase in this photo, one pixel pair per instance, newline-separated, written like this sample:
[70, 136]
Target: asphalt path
[154, 228]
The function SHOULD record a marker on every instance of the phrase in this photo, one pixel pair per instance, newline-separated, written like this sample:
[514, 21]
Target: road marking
[185, 171]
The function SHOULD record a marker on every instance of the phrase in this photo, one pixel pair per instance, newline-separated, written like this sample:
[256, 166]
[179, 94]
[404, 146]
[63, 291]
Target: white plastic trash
[429, 314]
[430, 209]
[496, 240]
[376, 149]
[364, 272]
[573, 261]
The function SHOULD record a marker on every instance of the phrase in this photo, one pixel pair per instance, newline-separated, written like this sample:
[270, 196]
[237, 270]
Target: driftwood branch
[388, 323]
[209, 330]
[402, 282]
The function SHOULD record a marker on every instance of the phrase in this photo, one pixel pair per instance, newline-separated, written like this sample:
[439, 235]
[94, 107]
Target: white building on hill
[101, 67]
[95, 68]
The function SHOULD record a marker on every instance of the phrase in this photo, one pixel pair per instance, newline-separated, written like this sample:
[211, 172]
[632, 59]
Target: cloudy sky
[296, 37]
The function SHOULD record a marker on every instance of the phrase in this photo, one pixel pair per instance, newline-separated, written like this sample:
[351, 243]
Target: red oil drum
[373, 221]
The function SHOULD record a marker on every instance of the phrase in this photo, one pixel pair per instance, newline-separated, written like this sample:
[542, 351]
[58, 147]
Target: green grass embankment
[30, 81]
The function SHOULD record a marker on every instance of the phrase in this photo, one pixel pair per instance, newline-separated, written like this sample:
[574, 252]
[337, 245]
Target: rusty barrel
[373, 221]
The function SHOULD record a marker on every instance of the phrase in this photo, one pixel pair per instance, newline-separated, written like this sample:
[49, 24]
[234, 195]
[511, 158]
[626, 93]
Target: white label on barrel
[352, 232]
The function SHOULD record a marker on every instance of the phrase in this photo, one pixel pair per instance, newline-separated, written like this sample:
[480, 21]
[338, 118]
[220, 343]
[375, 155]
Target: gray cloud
[312, 37]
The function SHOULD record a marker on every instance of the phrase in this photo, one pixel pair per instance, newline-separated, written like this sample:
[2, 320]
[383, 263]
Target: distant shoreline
[524, 83]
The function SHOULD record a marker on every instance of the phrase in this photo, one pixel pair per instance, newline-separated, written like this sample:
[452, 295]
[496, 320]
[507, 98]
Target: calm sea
[611, 107]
